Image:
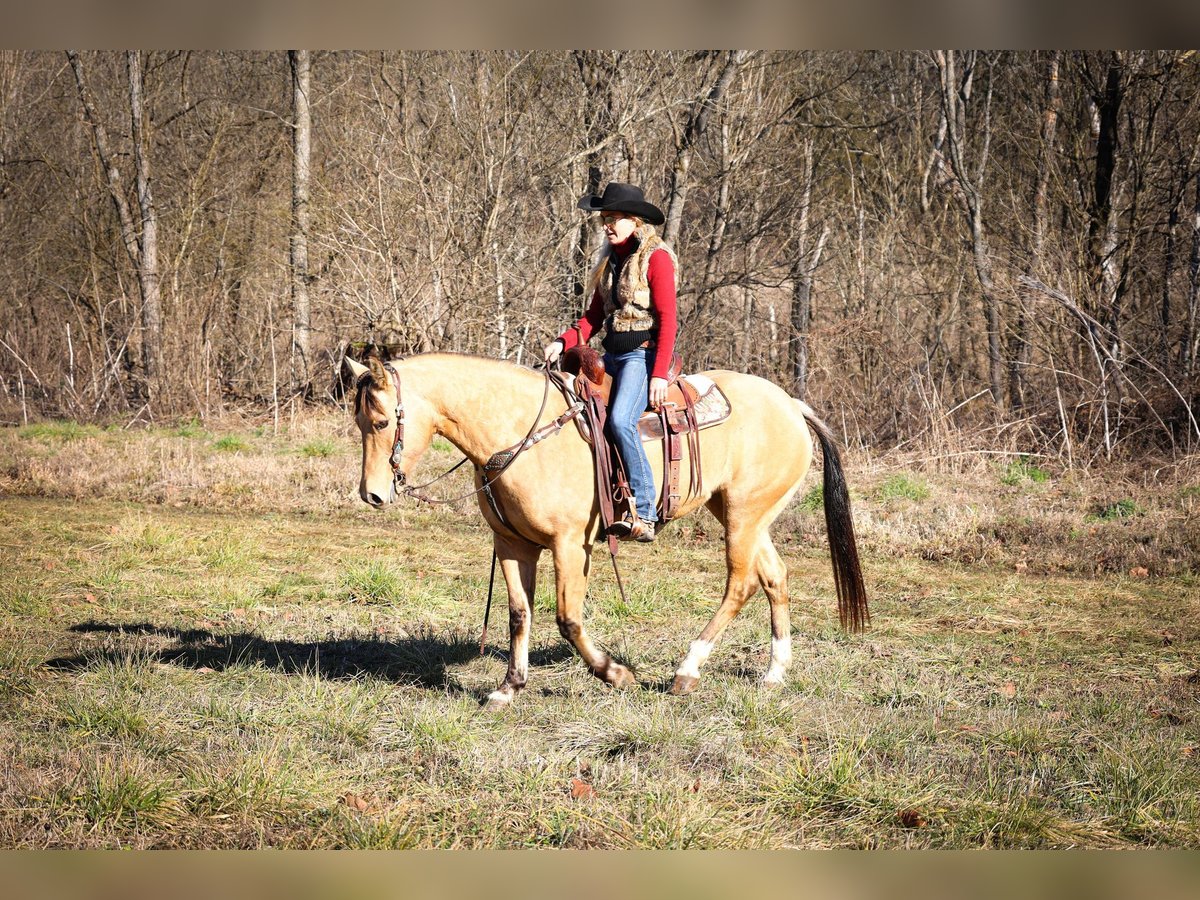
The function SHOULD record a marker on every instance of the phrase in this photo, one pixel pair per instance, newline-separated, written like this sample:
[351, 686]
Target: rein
[498, 463]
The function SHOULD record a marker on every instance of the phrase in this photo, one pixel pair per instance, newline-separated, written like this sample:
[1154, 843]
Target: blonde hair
[644, 232]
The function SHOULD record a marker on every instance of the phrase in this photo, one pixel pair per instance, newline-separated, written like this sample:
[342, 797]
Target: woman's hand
[553, 351]
[658, 392]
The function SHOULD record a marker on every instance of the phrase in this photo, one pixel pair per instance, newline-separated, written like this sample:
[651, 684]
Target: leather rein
[496, 465]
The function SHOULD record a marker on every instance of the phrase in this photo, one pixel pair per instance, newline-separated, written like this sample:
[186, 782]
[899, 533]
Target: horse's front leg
[571, 567]
[518, 561]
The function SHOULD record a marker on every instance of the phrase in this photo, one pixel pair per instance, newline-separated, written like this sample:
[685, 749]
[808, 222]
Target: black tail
[847, 574]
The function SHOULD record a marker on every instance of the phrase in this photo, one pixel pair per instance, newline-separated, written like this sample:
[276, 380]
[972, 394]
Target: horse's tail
[847, 574]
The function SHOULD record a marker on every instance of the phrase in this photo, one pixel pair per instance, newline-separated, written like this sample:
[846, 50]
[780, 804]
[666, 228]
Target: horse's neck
[479, 405]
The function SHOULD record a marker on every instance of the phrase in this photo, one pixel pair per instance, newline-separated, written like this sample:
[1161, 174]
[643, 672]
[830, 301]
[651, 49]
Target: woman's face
[618, 226]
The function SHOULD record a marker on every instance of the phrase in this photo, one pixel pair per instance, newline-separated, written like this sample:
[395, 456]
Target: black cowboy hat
[626, 198]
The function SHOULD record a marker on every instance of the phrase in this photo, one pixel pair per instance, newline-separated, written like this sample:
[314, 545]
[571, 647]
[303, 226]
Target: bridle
[398, 477]
[494, 467]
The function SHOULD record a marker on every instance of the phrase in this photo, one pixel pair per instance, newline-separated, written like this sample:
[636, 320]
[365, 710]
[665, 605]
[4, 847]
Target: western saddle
[693, 403]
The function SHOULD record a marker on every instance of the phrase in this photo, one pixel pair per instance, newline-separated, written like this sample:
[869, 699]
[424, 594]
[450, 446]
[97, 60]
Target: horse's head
[379, 416]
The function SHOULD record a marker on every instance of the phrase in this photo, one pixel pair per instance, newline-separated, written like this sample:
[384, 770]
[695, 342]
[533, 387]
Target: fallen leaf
[1022, 565]
[1139, 571]
[1188, 751]
[355, 802]
[971, 728]
[205, 670]
[912, 818]
[581, 790]
[89, 597]
[50, 566]
[1009, 690]
[696, 786]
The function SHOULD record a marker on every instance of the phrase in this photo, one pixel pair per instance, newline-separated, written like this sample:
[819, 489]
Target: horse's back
[764, 440]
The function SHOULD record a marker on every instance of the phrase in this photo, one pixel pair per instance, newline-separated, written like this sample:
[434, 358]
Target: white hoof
[498, 700]
[773, 679]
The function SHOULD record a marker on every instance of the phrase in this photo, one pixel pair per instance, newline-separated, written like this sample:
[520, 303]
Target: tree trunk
[956, 92]
[1019, 352]
[696, 125]
[148, 268]
[1189, 344]
[803, 270]
[1102, 229]
[301, 159]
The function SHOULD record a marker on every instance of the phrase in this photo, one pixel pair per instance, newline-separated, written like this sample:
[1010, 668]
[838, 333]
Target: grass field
[206, 640]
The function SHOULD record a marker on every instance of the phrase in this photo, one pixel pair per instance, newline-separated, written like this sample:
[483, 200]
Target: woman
[633, 300]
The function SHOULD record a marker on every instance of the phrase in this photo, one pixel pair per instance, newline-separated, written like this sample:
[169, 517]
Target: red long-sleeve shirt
[660, 275]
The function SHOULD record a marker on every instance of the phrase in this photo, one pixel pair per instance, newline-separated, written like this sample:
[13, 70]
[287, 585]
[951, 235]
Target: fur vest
[627, 304]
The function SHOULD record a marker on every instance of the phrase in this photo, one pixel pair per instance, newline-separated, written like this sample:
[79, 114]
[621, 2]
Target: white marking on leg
[781, 660]
[500, 697]
[697, 654]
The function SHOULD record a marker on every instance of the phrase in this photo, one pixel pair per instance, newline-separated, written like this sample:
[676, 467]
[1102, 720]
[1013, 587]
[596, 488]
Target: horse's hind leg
[518, 561]
[571, 567]
[741, 583]
[772, 575]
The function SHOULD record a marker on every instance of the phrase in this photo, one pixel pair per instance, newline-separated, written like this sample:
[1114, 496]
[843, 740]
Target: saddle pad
[712, 408]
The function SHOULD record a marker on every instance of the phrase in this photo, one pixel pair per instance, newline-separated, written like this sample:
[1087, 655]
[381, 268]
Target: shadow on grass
[422, 659]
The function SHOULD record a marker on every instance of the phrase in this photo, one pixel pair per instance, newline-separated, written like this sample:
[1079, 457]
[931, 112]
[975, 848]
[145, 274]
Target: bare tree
[956, 89]
[1019, 352]
[301, 162]
[699, 113]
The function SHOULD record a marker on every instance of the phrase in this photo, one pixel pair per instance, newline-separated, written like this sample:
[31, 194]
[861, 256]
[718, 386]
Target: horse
[546, 499]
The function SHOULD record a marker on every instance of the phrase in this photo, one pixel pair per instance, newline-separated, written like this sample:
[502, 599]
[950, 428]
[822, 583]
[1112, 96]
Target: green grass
[1118, 509]
[814, 499]
[287, 675]
[371, 582]
[51, 432]
[906, 487]
[319, 449]
[231, 443]
[191, 428]
[1021, 471]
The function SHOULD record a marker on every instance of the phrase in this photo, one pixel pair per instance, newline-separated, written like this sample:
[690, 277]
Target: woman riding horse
[633, 299]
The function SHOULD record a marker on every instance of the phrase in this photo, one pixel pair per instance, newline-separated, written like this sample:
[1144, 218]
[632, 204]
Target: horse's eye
[379, 426]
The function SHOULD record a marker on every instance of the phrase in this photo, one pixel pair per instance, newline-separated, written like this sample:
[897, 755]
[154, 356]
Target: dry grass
[206, 647]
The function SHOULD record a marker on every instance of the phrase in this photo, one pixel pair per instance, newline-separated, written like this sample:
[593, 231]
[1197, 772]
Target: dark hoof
[683, 684]
[620, 677]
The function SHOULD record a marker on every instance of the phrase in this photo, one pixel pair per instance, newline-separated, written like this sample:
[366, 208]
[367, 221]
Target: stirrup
[621, 528]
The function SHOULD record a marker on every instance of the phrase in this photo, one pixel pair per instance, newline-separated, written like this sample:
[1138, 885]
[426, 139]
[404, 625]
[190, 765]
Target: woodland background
[978, 249]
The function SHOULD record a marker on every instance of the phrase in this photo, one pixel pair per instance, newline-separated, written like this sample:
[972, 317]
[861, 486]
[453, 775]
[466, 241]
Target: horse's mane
[365, 401]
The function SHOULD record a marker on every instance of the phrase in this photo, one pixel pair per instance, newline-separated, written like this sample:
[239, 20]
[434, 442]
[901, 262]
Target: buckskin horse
[753, 464]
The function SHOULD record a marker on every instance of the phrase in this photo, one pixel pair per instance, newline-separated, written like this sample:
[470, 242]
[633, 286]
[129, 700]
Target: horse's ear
[378, 372]
[357, 369]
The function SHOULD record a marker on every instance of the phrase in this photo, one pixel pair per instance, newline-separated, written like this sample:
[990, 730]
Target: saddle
[693, 403]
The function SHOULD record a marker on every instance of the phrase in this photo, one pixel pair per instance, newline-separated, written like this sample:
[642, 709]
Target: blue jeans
[630, 394]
